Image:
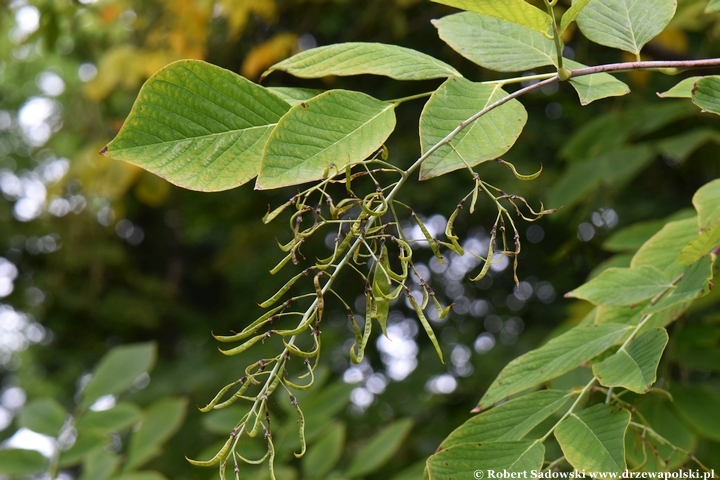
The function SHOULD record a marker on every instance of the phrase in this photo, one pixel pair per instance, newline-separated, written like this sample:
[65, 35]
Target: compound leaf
[706, 94]
[558, 356]
[495, 44]
[593, 439]
[485, 139]
[515, 11]
[625, 24]
[323, 135]
[356, 58]
[198, 126]
[635, 366]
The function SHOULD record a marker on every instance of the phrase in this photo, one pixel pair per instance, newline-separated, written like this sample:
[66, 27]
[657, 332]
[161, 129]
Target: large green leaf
[593, 439]
[323, 135]
[695, 283]
[631, 238]
[623, 286]
[625, 24]
[510, 421]
[680, 147]
[596, 86]
[697, 404]
[198, 126]
[86, 443]
[294, 95]
[713, 6]
[99, 465]
[15, 461]
[464, 460]
[322, 455]
[118, 369]
[495, 44]
[571, 14]
[356, 58]
[516, 11]
[700, 246]
[682, 89]
[661, 251]
[381, 448]
[161, 420]
[635, 366]
[610, 169]
[485, 139]
[707, 203]
[120, 417]
[706, 94]
[560, 355]
[44, 415]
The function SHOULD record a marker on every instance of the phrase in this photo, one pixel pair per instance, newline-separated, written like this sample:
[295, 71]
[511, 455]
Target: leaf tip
[477, 409]
[103, 150]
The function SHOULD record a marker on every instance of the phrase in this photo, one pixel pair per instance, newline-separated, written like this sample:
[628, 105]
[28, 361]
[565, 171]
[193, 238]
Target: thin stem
[397, 101]
[526, 78]
[649, 65]
[556, 34]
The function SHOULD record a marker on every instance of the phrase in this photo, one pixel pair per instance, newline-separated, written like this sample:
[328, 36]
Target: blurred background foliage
[96, 253]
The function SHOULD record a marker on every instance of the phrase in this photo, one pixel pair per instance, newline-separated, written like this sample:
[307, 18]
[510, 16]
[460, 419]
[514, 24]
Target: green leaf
[706, 94]
[118, 369]
[198, 126]
[639, 446]
[661, 251]
[462, 461]
[294, 95]
[161, 420]
[707, 203]
[87, 443]
[635, 366]
[120, 417]
[610, 169]
[623, 286]
[99, 465]
[302, 148]
[510, 421]
[596, 86]
[356, 58]
[593, 439]
[560, 355]
[695, 283]
[322, 456]
[515, 11]
[571, 14]
[485, 139]
[697, 405]
[495, 44]
[700, 246]
[631, 238]
[15, 461]
[713, 6]
[625, 24]
[680, 147]
[144, 475]
[44, 415]
[381, 448]
[682, 90]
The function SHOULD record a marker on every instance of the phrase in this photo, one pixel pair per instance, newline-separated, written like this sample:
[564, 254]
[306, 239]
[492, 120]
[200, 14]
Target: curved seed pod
[475, 192]
[381, 288]
[455, 247]
[237, 395]
[509, 165]
[295, 386]
[256, 426]
[299, 329]
[431, 241]
[426, 325]
[369, 305]
[282, 263]
[271, 215]
[320, 296]
[284, 289]
[253, 327]
[271, 388]
[219, 396]
[348, 179]
[301, 353]
[488, 259]
[339, 250]
[301, 433]
[241, 348]
[219, 457]
[366, 205]
[442, 312]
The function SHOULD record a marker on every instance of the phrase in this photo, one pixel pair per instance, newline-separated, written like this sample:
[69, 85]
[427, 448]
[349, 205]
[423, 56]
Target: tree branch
[627, 66]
